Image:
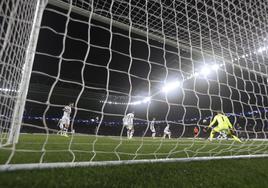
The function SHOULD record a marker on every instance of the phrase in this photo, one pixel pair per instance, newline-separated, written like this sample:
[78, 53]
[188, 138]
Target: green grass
[220, 173]
[53, 148]
[33, 148]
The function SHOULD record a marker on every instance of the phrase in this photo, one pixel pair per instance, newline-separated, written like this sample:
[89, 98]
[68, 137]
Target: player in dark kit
[196, 131]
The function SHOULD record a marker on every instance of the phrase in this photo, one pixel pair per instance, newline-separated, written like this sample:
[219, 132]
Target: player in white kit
[64, 122]
[128, 123]
[167, 132]
[152, 128]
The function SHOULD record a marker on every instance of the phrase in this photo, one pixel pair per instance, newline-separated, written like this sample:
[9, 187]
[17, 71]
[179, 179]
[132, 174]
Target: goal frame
[33, 166]
[17, 116]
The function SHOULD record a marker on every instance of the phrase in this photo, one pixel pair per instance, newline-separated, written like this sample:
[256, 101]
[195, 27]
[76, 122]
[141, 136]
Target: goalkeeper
[224, 125]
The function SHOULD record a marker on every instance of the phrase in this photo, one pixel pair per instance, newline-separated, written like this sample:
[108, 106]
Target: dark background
[86, 62]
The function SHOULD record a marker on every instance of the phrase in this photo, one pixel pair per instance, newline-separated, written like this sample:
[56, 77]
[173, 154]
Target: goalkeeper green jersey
[223, 122]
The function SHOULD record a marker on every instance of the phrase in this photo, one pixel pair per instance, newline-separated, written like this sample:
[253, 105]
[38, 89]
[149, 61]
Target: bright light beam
[147, 99]
[171, 86]
[7, 90]
[135, 103]
[262, 49]
[215, 67]
[205, 71]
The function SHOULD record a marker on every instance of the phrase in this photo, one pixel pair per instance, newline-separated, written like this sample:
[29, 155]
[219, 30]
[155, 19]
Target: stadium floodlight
[205, 71]
[135, 103]
[147, 99]
[262, 49]
[215, 67]
[171, 86]
[7, 90]
[195, 74]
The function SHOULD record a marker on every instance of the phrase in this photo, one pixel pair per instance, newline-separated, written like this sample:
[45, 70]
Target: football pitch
[36, 148]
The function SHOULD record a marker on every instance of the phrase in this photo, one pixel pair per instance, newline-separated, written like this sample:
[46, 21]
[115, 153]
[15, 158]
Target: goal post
[17, 18]
[91, 83]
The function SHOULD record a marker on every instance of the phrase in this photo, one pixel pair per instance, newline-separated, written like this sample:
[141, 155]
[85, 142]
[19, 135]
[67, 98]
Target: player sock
[211, 135]
[131, 134]
[236, 139]
[128, 134]
[65, 130]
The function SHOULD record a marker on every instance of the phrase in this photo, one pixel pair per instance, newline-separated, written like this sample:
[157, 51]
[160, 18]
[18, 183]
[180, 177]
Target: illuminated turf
[35, 148]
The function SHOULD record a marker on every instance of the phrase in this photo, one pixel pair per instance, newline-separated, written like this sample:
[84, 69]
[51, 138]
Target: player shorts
[65, 120]
[129, 127]
[167, 132]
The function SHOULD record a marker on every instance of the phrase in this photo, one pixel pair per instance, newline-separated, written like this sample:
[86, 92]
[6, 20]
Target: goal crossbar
[35, 166]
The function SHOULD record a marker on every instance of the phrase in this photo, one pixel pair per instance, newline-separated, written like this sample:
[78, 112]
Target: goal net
[146, 79]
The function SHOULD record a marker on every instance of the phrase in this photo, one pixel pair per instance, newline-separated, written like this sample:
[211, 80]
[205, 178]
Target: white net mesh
[16, 21]
[177, 62]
